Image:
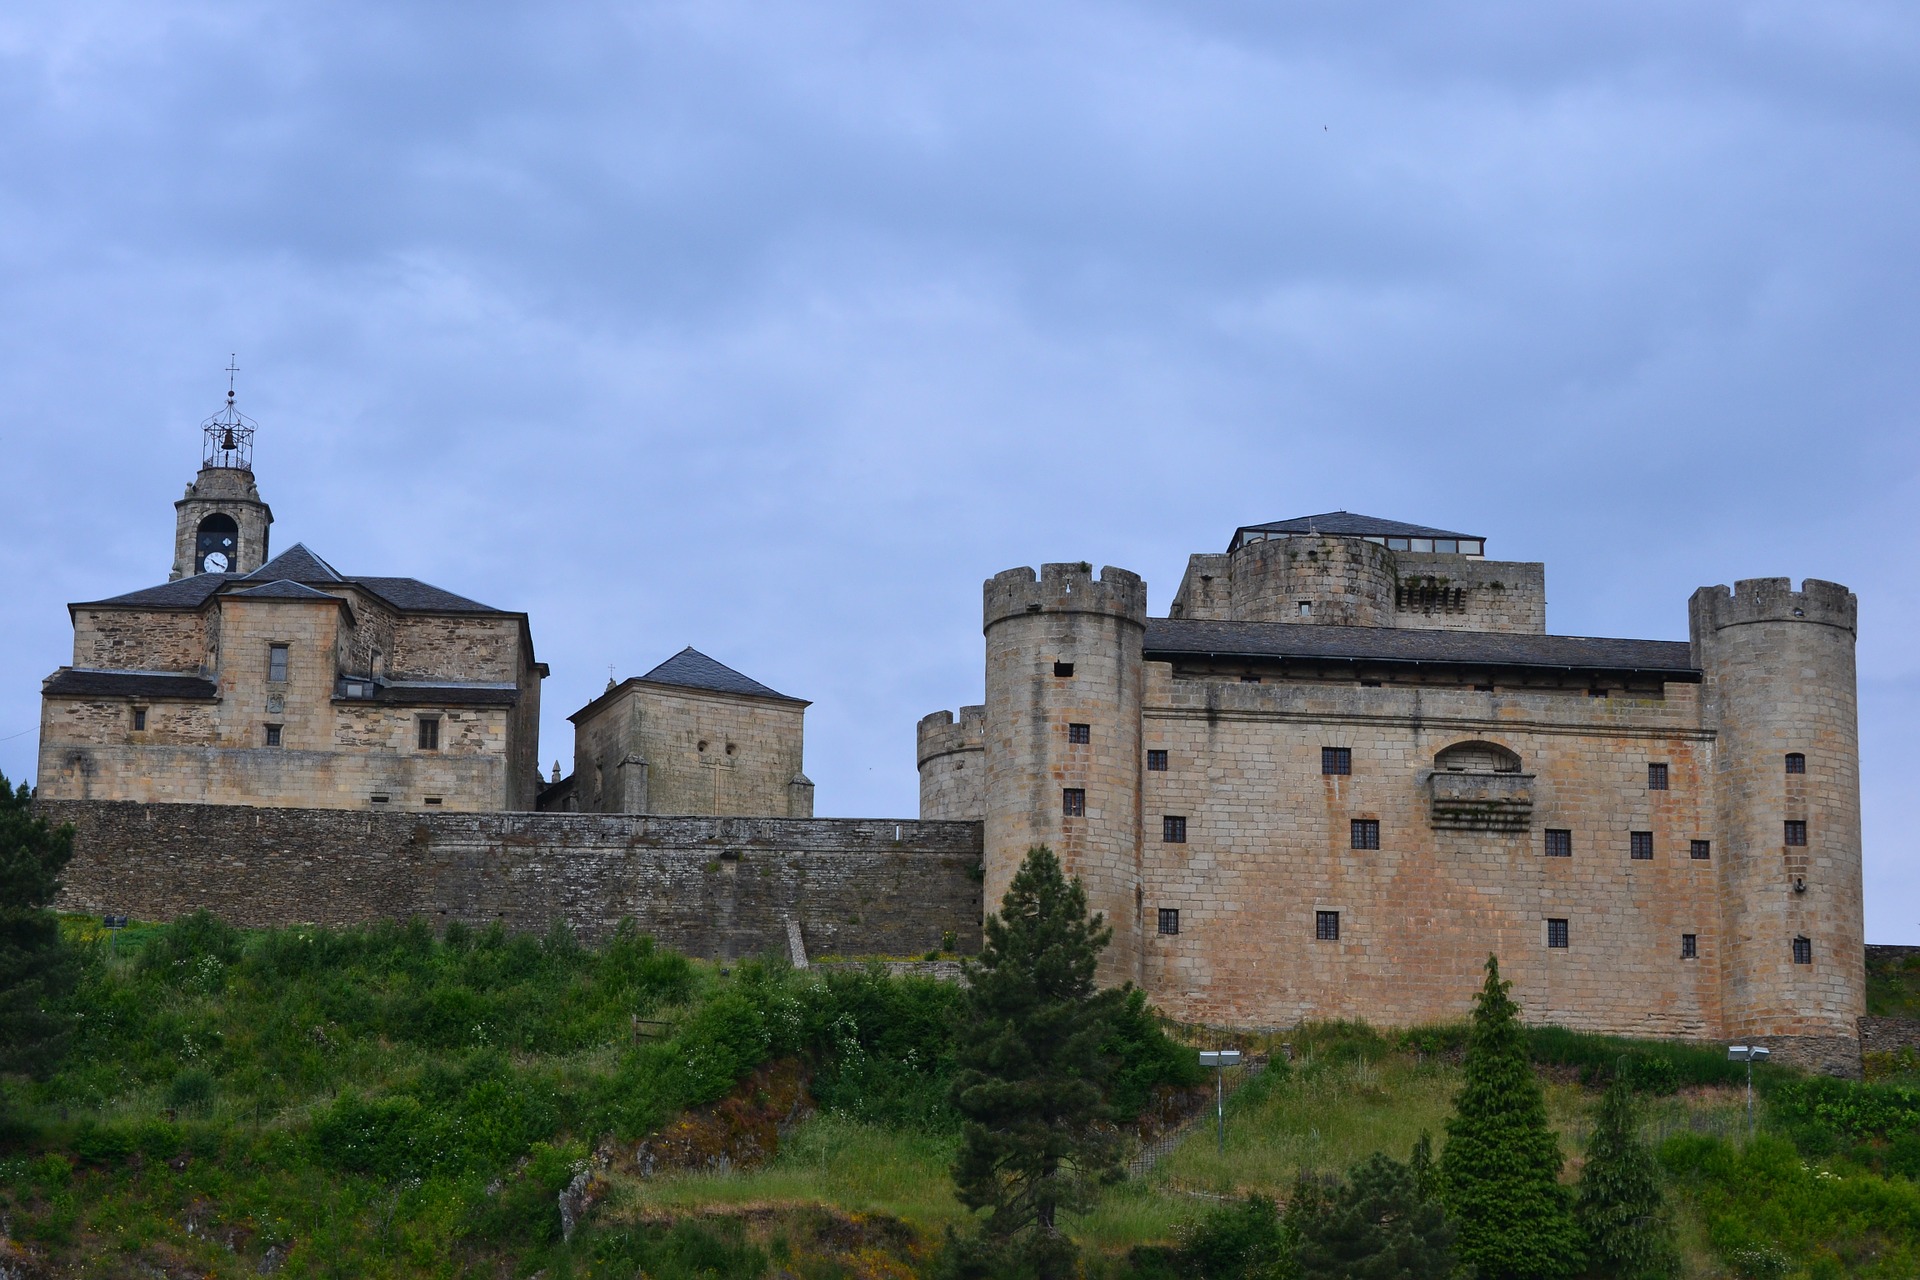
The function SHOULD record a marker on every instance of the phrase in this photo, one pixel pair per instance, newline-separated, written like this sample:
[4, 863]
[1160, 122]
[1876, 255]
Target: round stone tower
[1065, 682]
[1345, 582]
[1780, 691]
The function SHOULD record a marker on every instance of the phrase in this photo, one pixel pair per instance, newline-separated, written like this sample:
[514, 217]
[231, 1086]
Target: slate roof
[414, 596]
[81, 682]
[297, 567]
[692, 669]
[1175, 638]
[1350, 524]
[284, 590]
[183, 593]
[296, 564]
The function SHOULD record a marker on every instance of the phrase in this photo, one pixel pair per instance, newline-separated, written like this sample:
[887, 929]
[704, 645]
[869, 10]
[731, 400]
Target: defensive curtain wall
[717, 888]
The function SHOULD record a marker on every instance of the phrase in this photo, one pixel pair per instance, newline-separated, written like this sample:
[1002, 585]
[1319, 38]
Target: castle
[1347, 765]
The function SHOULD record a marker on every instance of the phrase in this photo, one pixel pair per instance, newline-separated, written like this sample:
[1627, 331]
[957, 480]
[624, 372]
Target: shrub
[191, 1091]
[1240, 1240]
[104, 1144]
[690, 1250]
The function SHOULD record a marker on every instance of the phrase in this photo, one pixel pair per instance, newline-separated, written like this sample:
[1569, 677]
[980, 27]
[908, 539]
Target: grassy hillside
[380, 1102]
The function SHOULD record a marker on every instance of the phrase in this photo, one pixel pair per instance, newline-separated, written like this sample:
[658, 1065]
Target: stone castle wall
[952, 758]
[719, 888]
[660, 749]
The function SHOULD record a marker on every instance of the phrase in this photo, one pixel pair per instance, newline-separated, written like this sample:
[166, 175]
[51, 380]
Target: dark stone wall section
[717, 888]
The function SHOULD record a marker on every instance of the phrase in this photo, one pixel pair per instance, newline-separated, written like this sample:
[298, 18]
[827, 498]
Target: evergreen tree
[1030, 1084]
[1619, 1205]
[1500, 1171]
[36, 970]
[1379, 1226]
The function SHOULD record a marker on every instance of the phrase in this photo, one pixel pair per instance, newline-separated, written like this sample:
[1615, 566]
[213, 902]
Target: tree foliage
[1500, 1170]
[1380, 1225]
[1031, 1084]
[36, 971]
[1620, 1207]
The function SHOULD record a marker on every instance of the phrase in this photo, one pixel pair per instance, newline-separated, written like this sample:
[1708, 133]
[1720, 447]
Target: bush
[1145, 1058]
[191, 1091]
[104, 1144]
[1650, 1066]
[684, 1251]
[1241, 1240]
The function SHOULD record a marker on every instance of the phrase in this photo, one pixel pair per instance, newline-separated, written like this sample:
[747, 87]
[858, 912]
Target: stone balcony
[1482, 801]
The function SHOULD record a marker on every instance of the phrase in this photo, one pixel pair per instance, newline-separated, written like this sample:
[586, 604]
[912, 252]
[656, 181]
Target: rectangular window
[139, 719]
[1173, 830]
[1326, 926]
[277, 663]
[429, 733]
[1063, 669]
[1640, 845]
[1596, 693]
[1249, 679]
[1156, 762]
[382, 799]
[1803, 951]
[1169, 920]
[1557, 934]
[1689, 946]
[1079, 733]
[273, 735]
[1396, 544]
[1446, 546]
[1073, 802]
[1559, 843]
[433, 800]
[1336, 760]
[1364, 833]
[1306, 608]
[1796, 763]
[1656, 777]
[1796, 832]
[1700, 850]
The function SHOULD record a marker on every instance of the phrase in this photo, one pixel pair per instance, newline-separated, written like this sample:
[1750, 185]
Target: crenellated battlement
[1065, 588]
[940, 734]
[1773, 600]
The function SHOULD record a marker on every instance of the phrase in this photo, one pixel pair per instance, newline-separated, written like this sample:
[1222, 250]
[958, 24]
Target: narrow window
[1656, 777]
[1596, 693]
[382, 799]
[1073, 802]
[1557, 934]
[1079, 733]
[1803, 951]
[433, 800]
[1169, 920]
[1326, 926]
[1365, 833]
[139, 719]
[1063, 669]
[1700, 850]
[1796, 832]
[1336, 760]
[273, 735]
[1689, 946]
[1796, 763]
[1156, 762]
[1173, 830]
[277, 663]
[1559, 843]
[1640, 846]
[429, 733]
[1483, 688]
[1249, 679]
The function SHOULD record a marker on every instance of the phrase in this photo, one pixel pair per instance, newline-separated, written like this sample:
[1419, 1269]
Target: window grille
[1365, 833]
[1169, 920]
[1173, 830]
[1803, 951]
[1700, 850]
[1557, 934]
[1796, 763]
[1073, 802]
[139, 719]
[1559, 843]
[1336, 760]
[1656, 777]
[1796, 832]
[1640, 846]
[1079, 733]
[273, 735]
[1689, 946]
[429, 738]
[1326, 926]
[1156, 762]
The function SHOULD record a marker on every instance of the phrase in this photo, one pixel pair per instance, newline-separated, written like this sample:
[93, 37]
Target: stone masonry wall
[952, 757]
[704, 752]
[713, 887]
[1495, 595]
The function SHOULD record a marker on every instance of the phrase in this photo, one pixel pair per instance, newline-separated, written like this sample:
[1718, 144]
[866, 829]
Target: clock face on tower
[215, 562]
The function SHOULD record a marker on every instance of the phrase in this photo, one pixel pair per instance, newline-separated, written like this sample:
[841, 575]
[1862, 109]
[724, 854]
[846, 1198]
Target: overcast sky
[773, 329]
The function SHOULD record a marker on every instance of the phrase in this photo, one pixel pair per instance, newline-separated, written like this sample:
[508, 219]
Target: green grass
[1893, 987]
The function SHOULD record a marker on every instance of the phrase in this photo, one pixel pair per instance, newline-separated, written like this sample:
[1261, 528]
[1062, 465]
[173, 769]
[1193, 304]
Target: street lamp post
[1749, 1054]
[1220, 1060]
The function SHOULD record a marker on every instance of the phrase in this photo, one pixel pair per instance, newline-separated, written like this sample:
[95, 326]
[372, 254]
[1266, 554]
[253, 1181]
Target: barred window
[1169, 920]
[1796, 763]
[1079, 733]
[1557, 934]
[429, 733]
[1365, 833]
[1156, 762]
[1173, 830]
[1803, 951]
[1336, 760]
[1640, 845]
[1326, 926]
[1559, 843]
[139, 719]
[1656, 777]
[273, 735]
[1689, 946]
[1796, 832]
[1700, 850]
[1073, 802]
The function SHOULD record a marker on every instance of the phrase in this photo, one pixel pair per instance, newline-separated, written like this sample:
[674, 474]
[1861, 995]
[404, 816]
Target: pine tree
[1500, 1171]
[1619, 1205]
[1378, 1227]
[1031, 1073]
[36, 970]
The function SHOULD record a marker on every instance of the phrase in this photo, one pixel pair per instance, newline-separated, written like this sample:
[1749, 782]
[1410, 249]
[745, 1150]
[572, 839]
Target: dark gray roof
[71, 682]
[692, 669]
[284, 590]
[295, 564]
[296, 568]
[413, 595]
[1352, 525]
[182, 593]
[1174, 638]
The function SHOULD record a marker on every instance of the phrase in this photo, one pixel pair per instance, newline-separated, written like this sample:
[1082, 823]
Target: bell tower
[221, 525]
